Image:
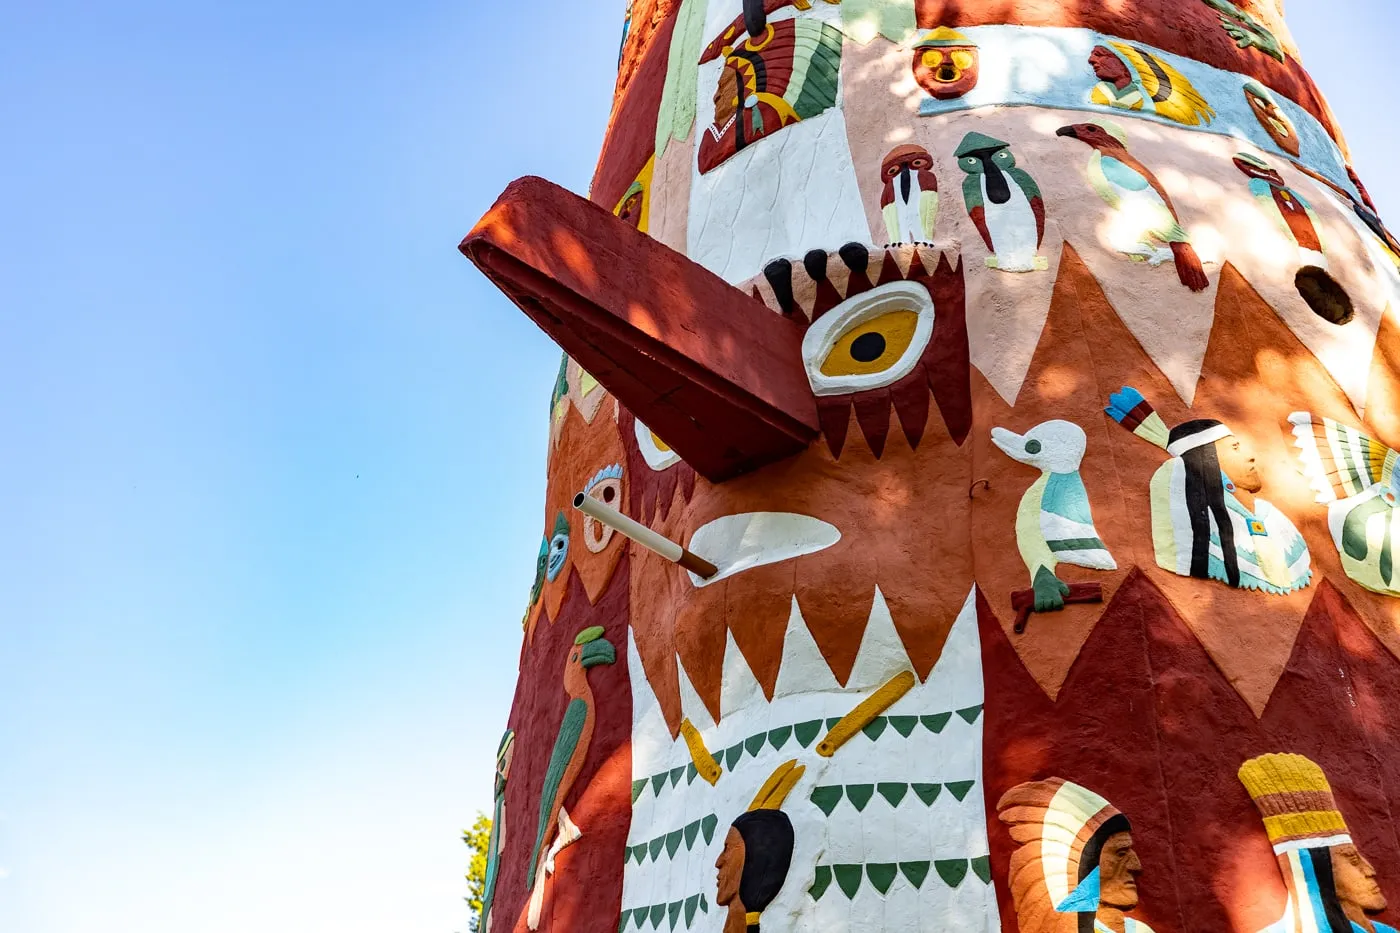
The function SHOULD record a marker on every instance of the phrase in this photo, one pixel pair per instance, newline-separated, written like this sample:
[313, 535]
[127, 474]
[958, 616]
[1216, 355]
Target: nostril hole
[1327, 299]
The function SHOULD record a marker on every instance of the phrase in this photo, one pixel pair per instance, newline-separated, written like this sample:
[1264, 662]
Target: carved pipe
[644, 536]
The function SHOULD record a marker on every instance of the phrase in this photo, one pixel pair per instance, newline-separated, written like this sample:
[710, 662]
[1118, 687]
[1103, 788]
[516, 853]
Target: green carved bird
[556, 830]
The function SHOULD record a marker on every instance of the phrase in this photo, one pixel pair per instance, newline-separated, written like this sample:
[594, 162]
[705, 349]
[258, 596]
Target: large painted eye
[933, 58]
[870, 341]
[606, 487]
[658, 455]
[962, 58]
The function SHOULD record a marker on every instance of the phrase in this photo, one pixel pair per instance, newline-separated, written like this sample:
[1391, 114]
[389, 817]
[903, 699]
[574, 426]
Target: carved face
[631, 209]
[1237, 460]
[946, 65]
[1119, 867]
[726, 95]
[1273, 119]
[1256, 168]
[1108, 66]
[730, 868]
[1355, 881]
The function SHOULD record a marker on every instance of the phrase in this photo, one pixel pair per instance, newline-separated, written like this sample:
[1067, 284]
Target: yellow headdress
[1296, 801]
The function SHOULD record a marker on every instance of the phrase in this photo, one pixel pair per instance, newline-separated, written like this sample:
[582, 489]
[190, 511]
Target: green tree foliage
[478, 839]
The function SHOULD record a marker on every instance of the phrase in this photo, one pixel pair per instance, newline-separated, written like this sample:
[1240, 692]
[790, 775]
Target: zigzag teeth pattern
[651, 738]
[739, 688]
[692, 707]
[803, 670]
[882, 653]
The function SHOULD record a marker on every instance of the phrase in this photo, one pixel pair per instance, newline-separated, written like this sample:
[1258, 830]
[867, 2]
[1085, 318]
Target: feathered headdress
[1132, 411]
[1296, 802]
[1173, 96]
[1061, 828]
[1339, 460]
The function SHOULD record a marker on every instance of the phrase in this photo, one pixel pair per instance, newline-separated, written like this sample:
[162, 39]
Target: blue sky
[273, 451]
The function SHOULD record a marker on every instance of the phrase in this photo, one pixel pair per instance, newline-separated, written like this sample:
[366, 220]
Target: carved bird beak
[1069, 132]
[598, 651]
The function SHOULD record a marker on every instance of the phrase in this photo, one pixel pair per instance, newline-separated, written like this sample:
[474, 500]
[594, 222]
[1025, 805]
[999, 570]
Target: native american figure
[1076, 869]
[1331, 886]
[788, 73]
[1131, 78]
[753, 865]
[1356, 477]
[1207, 519]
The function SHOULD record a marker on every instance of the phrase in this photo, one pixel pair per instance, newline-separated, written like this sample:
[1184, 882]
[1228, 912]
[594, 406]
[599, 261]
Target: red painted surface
[631, 135]
[711, 370]
[585, 893]
[1148, 721]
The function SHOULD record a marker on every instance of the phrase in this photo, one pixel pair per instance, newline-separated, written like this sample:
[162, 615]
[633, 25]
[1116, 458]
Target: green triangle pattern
[952, 871]
[875, 728]
[657, 780]
[807, 731]
[826, 798]
[928, 793]
[691, 903]
[657, 912]
[637, 788]
[692, 830]
[860, 795]
[707, 826]
[893, 793]
[881, 875]
[654, 847]
[936, 722]
[622, 920]
[690, 773]
[754, 743]
[732, 754]
[676, 775]
[916, 872]
[982, 868]
[848, 878]
[673, 843]
[673, 911]
[778, 737]
[959, 789]
[971, 713]
[831, 723]
[904, 725]
[822, 882]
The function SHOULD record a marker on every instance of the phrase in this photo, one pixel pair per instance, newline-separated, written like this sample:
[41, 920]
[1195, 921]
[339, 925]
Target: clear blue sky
[273, 451]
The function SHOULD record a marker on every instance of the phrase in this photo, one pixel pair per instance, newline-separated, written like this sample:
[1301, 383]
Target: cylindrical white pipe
[644, 536]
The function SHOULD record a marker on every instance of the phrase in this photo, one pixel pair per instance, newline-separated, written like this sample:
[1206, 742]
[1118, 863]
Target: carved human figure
[1332, 888]
[1076, 868]
[1132, 78]
[753, 865]
[946, 64]
[1208, 521]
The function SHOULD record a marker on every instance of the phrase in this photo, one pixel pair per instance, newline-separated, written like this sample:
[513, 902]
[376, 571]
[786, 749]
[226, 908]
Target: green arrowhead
[637, 788]
[732, 754]
[691, 831]
[657, 912]
[826, 798]
[848, 878]
[875, 728]
[982, 868]
[676, 775]
[831, 723]
[622, 920]
[892, 792]
[704, 907]
[639, 852]
[823, 882]
[778, 737]
[959, 789]
[881, 874]
[674, 911]
[936, 722]
[707, 826]
[860, 795]
[952, 871]
[657, 780]
[654, 847]
[807, 731]
[928, 793]
[755, 742]
[916, 872]
[691, 903]
[673, 843]
[904, 725]
[690, 772]
[971, 713]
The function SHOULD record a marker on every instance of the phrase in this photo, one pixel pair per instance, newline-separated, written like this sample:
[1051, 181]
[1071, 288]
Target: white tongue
[735, 543]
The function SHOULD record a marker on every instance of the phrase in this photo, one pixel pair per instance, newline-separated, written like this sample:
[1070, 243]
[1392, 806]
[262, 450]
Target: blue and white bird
[1054, 524]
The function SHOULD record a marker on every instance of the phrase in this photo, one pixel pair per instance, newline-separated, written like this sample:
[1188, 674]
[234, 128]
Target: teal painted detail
[915, 872]
[565, 744]
[881, 875]
[952, 871]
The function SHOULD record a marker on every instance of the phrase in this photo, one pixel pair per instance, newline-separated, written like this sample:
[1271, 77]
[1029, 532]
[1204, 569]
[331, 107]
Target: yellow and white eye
[870, 341]
[656, 452]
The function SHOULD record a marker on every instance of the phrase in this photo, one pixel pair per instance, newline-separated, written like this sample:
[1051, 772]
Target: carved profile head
[1275, 122]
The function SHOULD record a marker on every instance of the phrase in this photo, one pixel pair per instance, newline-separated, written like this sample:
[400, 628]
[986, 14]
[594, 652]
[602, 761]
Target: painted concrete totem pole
[972, 484]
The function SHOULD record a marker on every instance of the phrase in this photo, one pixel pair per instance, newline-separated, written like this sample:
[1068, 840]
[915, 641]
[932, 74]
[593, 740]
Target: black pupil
[608, 494]
[867, 348]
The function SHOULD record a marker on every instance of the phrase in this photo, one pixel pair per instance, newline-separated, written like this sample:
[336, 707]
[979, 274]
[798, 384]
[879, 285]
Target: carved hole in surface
[1327, 299]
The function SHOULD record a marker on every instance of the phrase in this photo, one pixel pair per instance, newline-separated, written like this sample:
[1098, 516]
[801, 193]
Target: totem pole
[972, 484]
